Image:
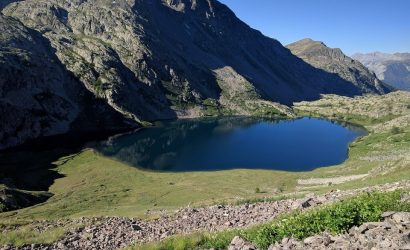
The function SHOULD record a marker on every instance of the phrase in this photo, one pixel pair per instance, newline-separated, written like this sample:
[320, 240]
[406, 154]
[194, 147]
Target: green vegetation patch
[94, 185]
[212, 107]
[336, 218]
[27, 233]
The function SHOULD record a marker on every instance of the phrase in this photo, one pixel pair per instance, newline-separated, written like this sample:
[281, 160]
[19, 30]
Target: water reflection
[229, 143]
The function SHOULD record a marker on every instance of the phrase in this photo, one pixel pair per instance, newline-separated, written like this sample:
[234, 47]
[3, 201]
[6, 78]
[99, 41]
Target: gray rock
[308, 202]
[334, 61]
[38, 95]
[393, 69]
[401, 217]
[405, 197]
[405, 247]
[136, 227]
[321, 240]
[387, 214]
[238, 243]
[305, 203]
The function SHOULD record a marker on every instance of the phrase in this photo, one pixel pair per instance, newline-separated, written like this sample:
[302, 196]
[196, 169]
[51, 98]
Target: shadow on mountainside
[31, 166]
[27, 171]
[225, 41]
[36, 70]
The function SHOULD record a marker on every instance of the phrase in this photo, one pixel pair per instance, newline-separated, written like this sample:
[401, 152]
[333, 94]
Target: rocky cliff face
[334, 61]
[393, 69]
[38, 96]
[143, 60]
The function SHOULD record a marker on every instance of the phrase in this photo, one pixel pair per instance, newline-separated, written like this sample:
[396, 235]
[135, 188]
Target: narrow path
[331, 180]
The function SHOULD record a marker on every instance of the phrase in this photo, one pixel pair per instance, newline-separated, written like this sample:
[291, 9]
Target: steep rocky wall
[38, 96]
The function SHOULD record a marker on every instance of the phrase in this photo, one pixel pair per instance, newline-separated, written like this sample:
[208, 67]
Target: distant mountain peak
[308, 41]
[313, 46]
[333, 60]
[394, 68]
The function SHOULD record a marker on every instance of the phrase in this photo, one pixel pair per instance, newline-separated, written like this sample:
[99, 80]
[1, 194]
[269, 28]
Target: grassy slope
[28, 233]
[97, 186]
[384, 154]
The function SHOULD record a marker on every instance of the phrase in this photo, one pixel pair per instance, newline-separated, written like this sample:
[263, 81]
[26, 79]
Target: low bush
[336, 218]
[395, 130]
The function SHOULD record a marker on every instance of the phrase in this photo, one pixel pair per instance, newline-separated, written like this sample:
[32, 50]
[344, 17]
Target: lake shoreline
[93, 186]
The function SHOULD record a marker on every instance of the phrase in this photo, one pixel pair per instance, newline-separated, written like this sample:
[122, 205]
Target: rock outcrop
[240, 244]
[334, 61]
[38, 96]
[12, 199]
[393, 69]
[143, 60]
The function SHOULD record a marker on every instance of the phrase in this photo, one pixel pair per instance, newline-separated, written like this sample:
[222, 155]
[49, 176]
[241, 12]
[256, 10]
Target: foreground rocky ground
[392, 233]
[114, 233]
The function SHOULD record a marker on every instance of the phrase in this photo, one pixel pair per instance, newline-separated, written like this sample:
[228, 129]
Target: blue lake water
[234, 143]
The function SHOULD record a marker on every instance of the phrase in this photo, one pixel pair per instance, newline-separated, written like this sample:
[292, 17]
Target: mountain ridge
[149, 60]
[333, 60]
[392, 68]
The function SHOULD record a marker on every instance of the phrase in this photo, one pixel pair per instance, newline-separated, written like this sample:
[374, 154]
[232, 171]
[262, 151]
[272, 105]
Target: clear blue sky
[352, 25]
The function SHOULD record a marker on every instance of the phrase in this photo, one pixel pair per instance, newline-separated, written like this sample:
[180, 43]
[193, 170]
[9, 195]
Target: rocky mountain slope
[77, 64]
[334, 61]
[394, 69]
[38, 96]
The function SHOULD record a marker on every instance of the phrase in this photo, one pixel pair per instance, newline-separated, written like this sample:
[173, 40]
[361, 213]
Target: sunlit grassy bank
[98, 186]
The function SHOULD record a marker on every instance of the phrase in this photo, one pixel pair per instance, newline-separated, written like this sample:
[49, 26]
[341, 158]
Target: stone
[307, 202]
[323, 240]
[238, 243]
[60, 245]
[136, 227]
[387, 214]
[401, 217]
[405, 247]
[385, 244]
[406, 196]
